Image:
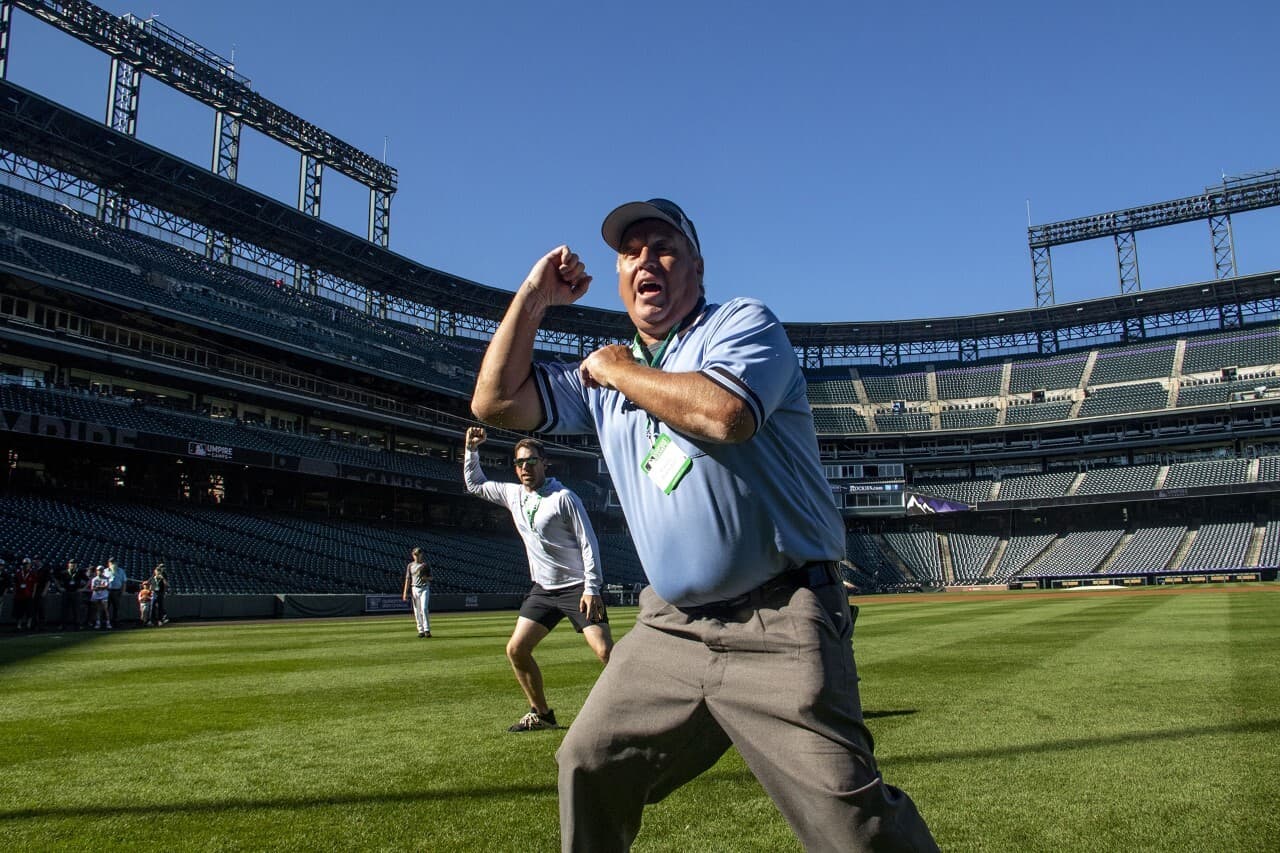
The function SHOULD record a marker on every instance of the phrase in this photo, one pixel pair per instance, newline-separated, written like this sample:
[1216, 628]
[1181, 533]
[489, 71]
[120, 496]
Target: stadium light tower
[6, 16]
[1215, 205]
[139, 47]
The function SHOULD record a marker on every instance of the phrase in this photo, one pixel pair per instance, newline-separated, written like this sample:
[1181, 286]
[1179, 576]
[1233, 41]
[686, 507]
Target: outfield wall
[202, 607]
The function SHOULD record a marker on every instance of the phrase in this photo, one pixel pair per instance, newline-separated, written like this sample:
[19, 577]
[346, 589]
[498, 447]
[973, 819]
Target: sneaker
[421, 634]
[533, 721]
[426, 634]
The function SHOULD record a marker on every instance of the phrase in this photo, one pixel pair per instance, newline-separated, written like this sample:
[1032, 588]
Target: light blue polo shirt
[745, 512]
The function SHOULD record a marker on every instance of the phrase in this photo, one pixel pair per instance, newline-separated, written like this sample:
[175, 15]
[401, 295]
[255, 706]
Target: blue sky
[843, 161]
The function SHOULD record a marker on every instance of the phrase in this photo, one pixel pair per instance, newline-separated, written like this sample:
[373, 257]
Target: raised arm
[505, 394]
[473, 477]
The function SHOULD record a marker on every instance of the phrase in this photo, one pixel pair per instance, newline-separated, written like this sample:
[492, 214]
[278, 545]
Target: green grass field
[1024, 722]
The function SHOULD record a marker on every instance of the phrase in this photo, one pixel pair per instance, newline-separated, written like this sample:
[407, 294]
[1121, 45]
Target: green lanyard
[642, 354]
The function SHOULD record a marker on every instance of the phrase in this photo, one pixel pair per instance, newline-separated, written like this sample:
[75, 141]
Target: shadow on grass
[16, 646]
[1074, 744]
[299, 802]
[875, 715]
[549, 788]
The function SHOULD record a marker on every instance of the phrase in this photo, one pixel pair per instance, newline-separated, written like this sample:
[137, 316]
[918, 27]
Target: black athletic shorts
[548, 606]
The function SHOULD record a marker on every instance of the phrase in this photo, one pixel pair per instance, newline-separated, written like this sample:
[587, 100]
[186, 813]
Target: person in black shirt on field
[159, 589]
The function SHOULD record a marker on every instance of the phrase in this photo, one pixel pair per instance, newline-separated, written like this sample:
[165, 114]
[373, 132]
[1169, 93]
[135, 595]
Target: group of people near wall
[83, 596]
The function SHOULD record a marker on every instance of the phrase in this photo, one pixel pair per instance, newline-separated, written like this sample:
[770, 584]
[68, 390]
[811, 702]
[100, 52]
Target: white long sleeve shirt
[558, 538]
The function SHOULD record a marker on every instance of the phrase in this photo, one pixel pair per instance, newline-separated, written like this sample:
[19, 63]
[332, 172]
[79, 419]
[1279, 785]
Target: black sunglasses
[528, 460]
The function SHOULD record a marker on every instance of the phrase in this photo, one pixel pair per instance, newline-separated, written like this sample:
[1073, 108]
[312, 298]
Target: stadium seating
[1214, 392]
[901, 422]
[1078, 552]
[864, 553]
[896, 386]
[1135, 478]
[1112, 400]
[919, 551]
[1270, 554]
[832, 391]
[1020, 551]
[1031, 413]
[216, 550]
[1218, 546]
[1125, 364]
[1034, 486]
[968, 491]
[120, 261]
[1123, 379]
[129, 414]
[1057, 373]
[220, 550]
[842, 420]
[968, 383]
[1149, 550]
[970, 553]
[1232, 349]
[969, 418]
[1214, 472]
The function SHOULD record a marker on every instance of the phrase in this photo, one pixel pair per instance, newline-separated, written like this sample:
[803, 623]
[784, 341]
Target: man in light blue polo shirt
[743, 637]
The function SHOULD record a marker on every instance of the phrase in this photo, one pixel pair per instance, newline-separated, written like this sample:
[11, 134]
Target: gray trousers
[774, 677]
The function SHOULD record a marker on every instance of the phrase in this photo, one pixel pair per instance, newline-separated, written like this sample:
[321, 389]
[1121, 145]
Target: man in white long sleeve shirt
[564, 565]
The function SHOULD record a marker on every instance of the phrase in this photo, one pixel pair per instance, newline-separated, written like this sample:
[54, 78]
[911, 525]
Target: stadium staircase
[858, 387]
[1161, 476]
[944, 550]
[1179, 352]
[931, 398]
[996, 556]
[1254, 554]
[1184, 547]
[1105, 566]
[1086, 375]
[1075, 483]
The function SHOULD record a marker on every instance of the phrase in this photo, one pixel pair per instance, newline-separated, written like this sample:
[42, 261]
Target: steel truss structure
[1215, 205]
[1124, 319]
[145, 46]
[55, 152]
[176, 197]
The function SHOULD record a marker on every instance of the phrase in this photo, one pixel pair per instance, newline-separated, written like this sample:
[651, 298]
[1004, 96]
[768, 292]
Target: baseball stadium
[1062, 522]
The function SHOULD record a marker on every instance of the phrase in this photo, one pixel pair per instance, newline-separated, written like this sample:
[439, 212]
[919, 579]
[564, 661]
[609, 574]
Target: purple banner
[918, 504]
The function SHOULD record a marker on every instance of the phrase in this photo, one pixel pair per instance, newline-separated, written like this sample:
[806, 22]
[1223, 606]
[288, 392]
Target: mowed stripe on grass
[1090, 721]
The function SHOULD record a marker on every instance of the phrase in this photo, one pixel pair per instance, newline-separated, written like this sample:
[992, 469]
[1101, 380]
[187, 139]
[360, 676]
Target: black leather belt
[815, 575]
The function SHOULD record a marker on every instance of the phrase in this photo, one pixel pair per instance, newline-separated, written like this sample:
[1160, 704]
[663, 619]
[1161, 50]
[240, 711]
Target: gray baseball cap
[626, 215]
